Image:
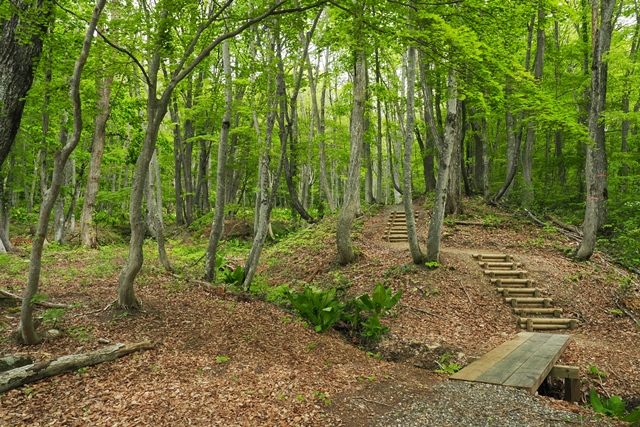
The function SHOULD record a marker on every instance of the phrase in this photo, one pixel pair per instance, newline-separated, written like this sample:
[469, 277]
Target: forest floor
[224, 358]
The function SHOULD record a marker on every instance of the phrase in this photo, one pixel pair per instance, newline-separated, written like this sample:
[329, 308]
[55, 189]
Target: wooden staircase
[397, 227]
[535, 312]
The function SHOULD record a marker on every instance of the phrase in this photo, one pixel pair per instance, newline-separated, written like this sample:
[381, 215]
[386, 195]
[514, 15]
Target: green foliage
[432, 265]
[221, 358]
[615, 407]
[51, 316]
[363, 313]
[321, 308]
[594, 371]
[446, 365]
[233, 276]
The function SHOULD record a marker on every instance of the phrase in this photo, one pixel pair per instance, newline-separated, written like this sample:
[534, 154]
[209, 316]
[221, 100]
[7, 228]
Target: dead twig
[467, 294]
[416, 309]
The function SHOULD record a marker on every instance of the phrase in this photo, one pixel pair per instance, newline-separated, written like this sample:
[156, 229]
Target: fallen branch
[416, 309]
[36, 371]
[569, 227]
[15, 297]
[478, 223]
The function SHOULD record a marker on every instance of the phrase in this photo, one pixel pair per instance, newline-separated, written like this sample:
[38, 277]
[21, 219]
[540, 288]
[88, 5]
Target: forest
[209, 182]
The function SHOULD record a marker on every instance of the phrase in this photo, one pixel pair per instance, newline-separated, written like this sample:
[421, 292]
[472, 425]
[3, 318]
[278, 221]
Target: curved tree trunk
[27, 328]
[19, 61]
[88, 236]
[154, 209]
[446, 151]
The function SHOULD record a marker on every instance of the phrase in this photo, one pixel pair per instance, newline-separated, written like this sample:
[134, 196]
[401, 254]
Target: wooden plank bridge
[524, 362]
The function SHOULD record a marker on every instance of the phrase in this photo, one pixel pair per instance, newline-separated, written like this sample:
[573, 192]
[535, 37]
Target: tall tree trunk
[319, 119]
[527, 155]
[445, 146]
[154, 209]
[88, 236]
[177, 160]
[187, 155]
[27, 327]
[347, 214]
[454, 196]
[218, 221]
[378, 132]
[513, 148]
[596, 162]
[407, 198]
[480, 157]
[264, 201]
[5, 243]
[432, 136]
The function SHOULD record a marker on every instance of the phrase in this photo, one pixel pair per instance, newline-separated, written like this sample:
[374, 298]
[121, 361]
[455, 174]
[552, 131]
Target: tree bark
[596, 163]
[407, 198]
[527, 155]
[378, 131]
[347, 214]
[454, 198]
[218, 221]
[33, 372]
[154, 208]
[88, 236]
[19, 60]
[27, 327]
[445, 154]
[177, 160]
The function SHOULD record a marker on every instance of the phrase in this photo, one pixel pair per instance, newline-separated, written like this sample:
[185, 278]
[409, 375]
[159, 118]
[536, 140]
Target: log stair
[535, 312]
[397, 227]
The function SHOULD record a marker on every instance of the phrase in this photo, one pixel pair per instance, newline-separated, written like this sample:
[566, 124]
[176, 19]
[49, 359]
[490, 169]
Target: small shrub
[594, 371]
[51, 316]
[321, 308]
[432, 265]
[447, 365]
[614, 407]
[364, 312]
[233, 276]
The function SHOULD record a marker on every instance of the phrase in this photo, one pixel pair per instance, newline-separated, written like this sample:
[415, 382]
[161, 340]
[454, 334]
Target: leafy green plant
[51, 316]
[321, 308]
[221, 358]
[432, 265]
[594, 371]
[364, 312]
[446, 365]
[614, 406]
[233, 276]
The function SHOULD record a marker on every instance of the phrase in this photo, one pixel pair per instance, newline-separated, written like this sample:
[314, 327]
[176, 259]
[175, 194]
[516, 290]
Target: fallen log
[36, 371]
[6, 294]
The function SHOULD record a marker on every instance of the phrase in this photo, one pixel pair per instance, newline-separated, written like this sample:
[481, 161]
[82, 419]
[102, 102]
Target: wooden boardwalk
[524, 362]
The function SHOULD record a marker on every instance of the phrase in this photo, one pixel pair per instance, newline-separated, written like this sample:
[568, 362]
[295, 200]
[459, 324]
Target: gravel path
[460, 403]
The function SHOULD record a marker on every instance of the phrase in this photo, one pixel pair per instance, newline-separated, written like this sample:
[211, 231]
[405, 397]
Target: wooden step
[493, 257]
[513, 283]
[521, 274]
[500, 265]
[516, 302]
[398, 239]
[533, 292]
[546, 323]
[556, 312]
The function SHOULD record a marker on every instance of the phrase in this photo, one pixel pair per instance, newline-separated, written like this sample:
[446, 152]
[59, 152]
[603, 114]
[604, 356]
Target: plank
[477, 368]
[531, 374]
[502, 370]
